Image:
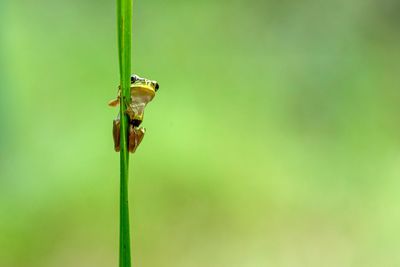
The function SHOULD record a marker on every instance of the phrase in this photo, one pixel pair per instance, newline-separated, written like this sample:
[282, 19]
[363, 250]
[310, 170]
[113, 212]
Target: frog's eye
[135, 78]
[156, 86]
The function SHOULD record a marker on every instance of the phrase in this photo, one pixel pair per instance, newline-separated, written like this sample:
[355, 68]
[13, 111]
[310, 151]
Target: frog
[142, 91]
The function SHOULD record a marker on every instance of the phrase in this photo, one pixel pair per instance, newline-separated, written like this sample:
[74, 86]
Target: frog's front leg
[135, 137]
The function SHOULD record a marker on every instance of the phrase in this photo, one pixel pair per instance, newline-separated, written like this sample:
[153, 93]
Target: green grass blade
[124, 15]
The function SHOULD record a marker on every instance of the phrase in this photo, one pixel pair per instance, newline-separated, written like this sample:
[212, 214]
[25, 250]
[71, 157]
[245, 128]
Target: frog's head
[136, 80]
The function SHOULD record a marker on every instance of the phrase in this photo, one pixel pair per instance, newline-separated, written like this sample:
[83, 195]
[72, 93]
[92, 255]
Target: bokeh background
[273, 141]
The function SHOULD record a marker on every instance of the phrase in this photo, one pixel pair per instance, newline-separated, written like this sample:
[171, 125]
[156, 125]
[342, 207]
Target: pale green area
[274, 139]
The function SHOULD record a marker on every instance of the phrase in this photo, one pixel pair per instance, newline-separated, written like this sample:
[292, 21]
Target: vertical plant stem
[124, 15]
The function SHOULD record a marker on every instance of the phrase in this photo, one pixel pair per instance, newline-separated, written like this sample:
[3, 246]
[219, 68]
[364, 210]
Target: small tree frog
[142, 92]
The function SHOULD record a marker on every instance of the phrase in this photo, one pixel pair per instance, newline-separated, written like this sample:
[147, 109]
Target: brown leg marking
[116, 134]
[135, 138]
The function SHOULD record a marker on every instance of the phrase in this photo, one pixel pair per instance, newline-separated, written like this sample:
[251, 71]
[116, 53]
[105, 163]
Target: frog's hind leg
[116, 133]
[135, 137]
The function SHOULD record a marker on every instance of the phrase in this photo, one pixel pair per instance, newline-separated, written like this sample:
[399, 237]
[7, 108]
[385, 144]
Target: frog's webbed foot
[116, 133]
[115, 102]
[135, 137]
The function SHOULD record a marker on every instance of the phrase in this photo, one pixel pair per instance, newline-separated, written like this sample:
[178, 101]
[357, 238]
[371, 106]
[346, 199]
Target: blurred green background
[274, 139]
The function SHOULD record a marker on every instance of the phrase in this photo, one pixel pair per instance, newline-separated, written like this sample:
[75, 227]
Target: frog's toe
[114, 102]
